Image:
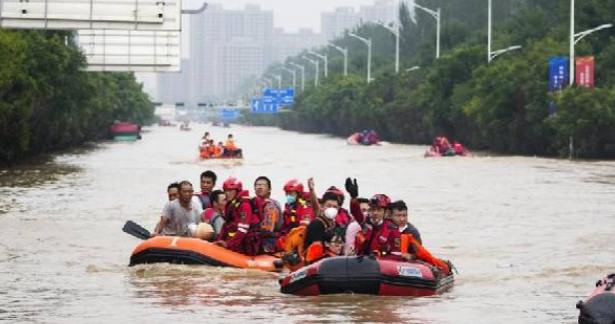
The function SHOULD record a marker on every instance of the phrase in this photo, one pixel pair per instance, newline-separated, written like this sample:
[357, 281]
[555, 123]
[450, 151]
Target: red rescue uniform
[379, 239]
[296, 214]
[343, 218]
[241, 229]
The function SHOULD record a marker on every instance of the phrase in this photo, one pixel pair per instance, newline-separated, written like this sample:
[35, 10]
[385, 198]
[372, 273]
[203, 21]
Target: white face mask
[331, 212]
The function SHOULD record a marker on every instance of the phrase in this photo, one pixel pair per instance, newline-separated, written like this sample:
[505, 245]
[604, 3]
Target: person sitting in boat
[459, 149]
[364, 137]
[411, 249]
[359, 209]
[354, 228]
[181, 214]
[269, 213]
[297, 211]
[240, 232]
[399, 216]
[220, 149]
[369, 137]
[172, 194]
[230, 149]
[211, 149]
[373, 137]
[216, 150]
[214, 215]
[406, 242]
[378, 232]
[173, 191]
[208, 182]
[320, 230]
[442, 145]
[335, 245]
[203, 143]
[203, 147]
[343, 217]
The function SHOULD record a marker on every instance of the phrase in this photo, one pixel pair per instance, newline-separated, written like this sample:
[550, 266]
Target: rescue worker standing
[240, 232]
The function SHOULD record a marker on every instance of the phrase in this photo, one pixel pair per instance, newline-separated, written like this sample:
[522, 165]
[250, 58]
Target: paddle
[136, 230]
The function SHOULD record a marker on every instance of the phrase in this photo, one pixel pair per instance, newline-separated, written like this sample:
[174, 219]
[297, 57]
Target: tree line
[48, 102]
[502, 107]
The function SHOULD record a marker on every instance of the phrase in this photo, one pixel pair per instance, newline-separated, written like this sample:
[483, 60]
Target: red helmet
[293, 185]
[334, 190]
[380, 200]
[232, 183]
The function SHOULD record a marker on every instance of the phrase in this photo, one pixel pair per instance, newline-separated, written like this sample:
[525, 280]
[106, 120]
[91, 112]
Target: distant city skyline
[291, 15]
[328, 22]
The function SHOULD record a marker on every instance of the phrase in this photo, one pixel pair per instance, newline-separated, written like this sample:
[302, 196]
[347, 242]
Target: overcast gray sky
[289, 14]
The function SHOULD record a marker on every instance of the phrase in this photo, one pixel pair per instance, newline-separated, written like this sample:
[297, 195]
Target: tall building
[228, 46]
[334, 24]
[176, 87]
[290, 44]
[384, 11]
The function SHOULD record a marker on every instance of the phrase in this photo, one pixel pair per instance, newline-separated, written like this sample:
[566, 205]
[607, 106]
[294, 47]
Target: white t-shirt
[351, 234]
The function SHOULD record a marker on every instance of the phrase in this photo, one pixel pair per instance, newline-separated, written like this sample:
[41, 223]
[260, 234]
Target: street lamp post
[269, 82]
[395, 31]
[316, 71]
[344, 52]
[302, 68]
[367, 42]
[279, 78]
[575, 38]
[436, 15]
[493, 54]
[497, 53]
[294, 73]
[414, 68]
[324, 58]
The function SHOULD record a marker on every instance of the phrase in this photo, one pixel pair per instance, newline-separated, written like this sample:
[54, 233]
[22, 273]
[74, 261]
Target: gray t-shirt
[217, 223]
[180, 217]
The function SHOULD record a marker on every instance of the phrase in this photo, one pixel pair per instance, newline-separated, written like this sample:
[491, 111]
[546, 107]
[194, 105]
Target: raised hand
[352, 187]
[311, 184]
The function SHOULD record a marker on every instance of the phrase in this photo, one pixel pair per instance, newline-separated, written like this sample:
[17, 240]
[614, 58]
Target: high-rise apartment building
[384, 11]
[173, 87]
[290, 44]
[333, 24]
[229, 47]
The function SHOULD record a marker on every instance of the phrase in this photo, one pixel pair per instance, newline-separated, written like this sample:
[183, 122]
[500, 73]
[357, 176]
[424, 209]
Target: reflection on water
[529, 236]
[31, 175]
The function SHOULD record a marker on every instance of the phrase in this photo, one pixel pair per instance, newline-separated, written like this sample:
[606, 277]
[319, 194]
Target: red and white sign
[585, 67]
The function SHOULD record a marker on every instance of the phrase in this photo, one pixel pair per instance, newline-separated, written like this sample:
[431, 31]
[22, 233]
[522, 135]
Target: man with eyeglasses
[181, 215]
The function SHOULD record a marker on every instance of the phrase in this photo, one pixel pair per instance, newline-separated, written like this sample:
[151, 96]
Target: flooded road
[529, 236]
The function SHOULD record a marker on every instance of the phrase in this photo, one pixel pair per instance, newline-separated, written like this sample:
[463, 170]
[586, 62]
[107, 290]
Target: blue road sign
[283, 97]
[229, 113]
[265, 105]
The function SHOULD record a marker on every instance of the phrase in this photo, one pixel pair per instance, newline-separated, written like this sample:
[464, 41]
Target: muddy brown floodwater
[529, 236]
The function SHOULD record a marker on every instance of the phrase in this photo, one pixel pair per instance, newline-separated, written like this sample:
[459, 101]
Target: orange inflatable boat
[186, 250]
